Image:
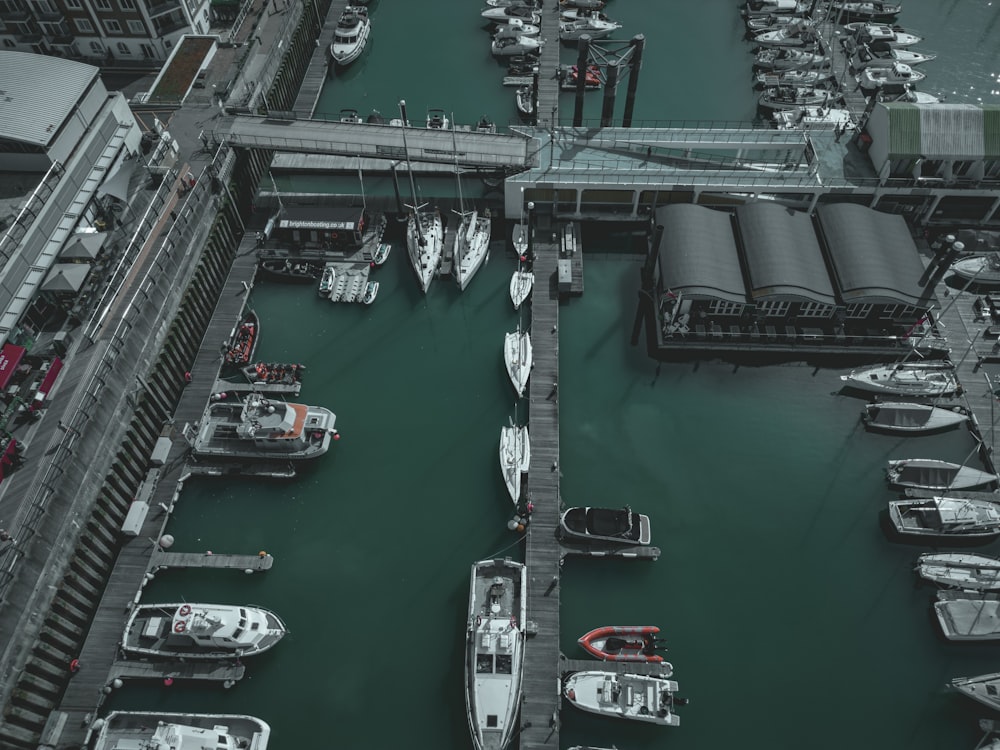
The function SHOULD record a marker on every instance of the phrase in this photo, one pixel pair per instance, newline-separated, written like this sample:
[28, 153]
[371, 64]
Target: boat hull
[921, 380]
[960, 570]
[984, 688]
[981, 270]
[515, 457]
[633, 643]
[910, 418]
[606, 525]
[518, 359]
[931, 474]
[967, 618]
[946, 519]
[495, 651]
[425, 258]
[521, 284]
[645, 698]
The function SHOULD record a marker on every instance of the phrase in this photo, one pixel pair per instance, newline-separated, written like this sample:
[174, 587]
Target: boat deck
[540, 709]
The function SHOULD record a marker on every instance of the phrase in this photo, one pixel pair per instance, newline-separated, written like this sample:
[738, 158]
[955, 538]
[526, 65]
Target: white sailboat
[424, 229]
[515, 457]
[472, 239]
[517, 358]
[522, 280]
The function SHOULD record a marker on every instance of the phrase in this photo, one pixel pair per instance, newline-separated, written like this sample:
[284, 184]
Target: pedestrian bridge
[467, 148]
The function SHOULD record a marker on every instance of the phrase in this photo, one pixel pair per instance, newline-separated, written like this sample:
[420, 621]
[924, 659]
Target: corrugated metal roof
[37, 93]
[942, 131]
[991, 131]
[873, 255]
[782, 253]
[698, 252]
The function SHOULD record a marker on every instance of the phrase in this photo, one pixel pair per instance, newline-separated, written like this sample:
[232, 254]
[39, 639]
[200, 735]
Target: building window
[97, 48]
[722, 307]
[45, 7]
[126, 4]
[8, 43]
[123, 49]
[773, 309]
[112, 26]
[136, 27]
[83, 25]
[73, 4]
[103, 4]
[815, 310]
[858, 312]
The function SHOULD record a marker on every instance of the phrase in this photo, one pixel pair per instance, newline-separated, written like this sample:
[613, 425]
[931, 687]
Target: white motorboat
[565, 5]
[984, 688]
[510, 3]
[515, 458]
[968, 616]
[944, 518]
[811, 118]
[769, 22]
[793, 97]
[593, 27]
[866, 32]
[759, 8]
[525, 100]
[983, 270]
[880, 55]
[906, 379]
[785, 58]
[351, 35]
[327, 280]
[960, 570]
[932, 474]
[259, 428]
[800, 34]
[437, 120]
[516, 27]
[494, 643]
[908, 418]
[381, 254]
[872, 11]
[897, 74]
[505, 13]
[520, 287]
[200, 631]
[517, 358]
[907, 96]
[517, 45]
[641, 697]
[793, 78]
[573, 13]
[148, 730]
[371, 291]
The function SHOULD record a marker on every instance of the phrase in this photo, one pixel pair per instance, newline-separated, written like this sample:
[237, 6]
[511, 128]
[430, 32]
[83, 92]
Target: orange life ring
[180, 626]
[185, 610]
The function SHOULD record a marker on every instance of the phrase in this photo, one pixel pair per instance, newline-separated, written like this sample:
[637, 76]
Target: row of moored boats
[967, 604]
[794, 64]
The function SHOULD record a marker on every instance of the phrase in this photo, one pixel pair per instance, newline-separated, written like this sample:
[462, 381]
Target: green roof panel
[904, 130]
[991, 131]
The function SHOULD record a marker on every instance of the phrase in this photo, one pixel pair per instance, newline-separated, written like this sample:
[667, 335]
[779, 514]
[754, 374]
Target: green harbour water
[791, 620]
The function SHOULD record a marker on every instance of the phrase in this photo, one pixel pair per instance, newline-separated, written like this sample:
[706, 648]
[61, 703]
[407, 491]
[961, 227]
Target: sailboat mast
[361, 179]
[409, 171]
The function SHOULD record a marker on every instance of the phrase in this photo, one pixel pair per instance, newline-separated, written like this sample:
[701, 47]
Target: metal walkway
[321, 66]
[85, 692]
[474, 149]
[548, 64]
[542, 697]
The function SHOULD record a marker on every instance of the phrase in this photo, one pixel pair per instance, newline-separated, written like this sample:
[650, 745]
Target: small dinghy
[984, 688]
[981, 270]
[946, 518]
[960, 570]
[371, 291]
[967, 616]
[623, 643]
[931, 474]
[911, 419]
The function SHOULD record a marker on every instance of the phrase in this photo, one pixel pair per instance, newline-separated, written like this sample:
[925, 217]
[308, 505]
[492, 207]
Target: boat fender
[180, 627]
[333, 235]
[571, 694]
[643, 710]
[513, 621]
[185, 610]
[479, 621]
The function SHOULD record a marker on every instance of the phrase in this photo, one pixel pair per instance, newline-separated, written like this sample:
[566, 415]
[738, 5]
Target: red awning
[7, 457]
[10, 358]
[47, 381]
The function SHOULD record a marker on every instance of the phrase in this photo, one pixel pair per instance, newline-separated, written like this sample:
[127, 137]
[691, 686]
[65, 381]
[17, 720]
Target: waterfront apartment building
[101, 32]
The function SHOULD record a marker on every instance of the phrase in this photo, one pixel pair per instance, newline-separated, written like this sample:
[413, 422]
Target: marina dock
[251, 563]
[281, 389]
[542, 701]
[177, 670]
